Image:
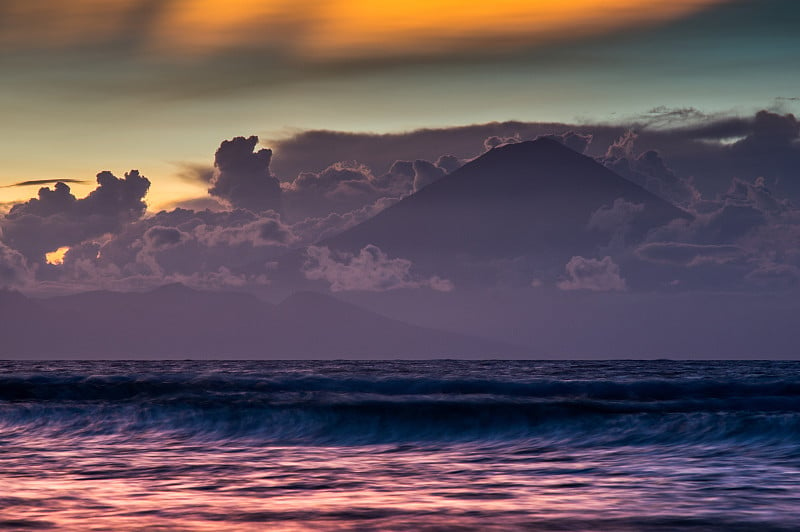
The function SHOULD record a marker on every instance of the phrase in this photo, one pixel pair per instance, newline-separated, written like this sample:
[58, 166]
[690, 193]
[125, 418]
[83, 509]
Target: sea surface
[441, 445]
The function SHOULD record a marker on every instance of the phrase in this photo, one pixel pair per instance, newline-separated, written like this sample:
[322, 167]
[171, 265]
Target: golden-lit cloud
[324, 30]
[56, 258]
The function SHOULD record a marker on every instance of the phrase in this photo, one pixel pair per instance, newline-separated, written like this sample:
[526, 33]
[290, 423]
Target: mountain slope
[530, 199]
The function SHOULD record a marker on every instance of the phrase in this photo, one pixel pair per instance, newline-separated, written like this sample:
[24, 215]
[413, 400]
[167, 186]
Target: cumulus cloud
[312, 230]
[370, 270]
[495, 141]
[449, 163]
[242, 176]
[14, 269]
[426, 173]
[344, 187]
[649, 170]
[742, 233]
[268, 230]
[591, 274]
[575, 141]
[57, 218]
[616, 216]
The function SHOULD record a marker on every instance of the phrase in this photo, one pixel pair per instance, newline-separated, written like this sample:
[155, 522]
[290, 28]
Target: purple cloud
[370, 270]
[242, 176]
[591, 274]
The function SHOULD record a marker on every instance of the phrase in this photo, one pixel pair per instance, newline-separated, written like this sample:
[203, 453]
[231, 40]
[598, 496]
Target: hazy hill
[179, 322]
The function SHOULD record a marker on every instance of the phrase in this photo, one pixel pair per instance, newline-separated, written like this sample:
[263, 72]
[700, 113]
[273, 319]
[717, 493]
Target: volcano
[530, 199]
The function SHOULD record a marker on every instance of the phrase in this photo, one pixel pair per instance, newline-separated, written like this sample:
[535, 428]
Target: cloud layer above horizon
[275, 213]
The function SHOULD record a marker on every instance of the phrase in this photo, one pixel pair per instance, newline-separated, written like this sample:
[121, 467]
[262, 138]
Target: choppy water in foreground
[400, 445]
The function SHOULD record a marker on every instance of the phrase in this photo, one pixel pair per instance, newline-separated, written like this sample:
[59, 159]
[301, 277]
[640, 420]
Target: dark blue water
[400, 445]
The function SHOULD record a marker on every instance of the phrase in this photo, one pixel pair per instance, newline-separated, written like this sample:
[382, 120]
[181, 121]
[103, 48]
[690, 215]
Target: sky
[89, 86]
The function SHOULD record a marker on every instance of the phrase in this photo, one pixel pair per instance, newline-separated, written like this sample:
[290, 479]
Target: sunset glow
[56, 258]
[331, 29]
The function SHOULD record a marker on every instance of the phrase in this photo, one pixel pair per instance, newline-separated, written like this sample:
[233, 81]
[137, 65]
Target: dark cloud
[449, 163]
[242, 176]
[159, 237]
[649, 170]
[199, 248]
[39, 182]
[742, 235]
[57, 218]
[678, 152]
[617, 221]
[689, 254]
[344, 187]
[426, 173]
[572, 140]
[315, 150]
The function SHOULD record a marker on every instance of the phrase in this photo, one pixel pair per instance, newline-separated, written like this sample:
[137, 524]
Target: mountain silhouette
[530, 199]
[179, 322]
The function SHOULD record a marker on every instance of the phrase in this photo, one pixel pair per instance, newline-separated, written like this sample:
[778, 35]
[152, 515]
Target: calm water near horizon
[440, 445]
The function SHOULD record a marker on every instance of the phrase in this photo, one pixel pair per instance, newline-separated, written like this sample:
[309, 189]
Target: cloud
[649, 170]
[199, 248]
[194, 173]
[496, 141]
[426, 173]
[315, 150]
[14, 269]
[202, 249]
[327, 31]
[742, 234]
[39, 182]
[201, 203]
[267, 230]
[160, 237]
[679, 160]
[343, 187]
[370, 270]
[312, 230]
[449, 163]
[242, 176]
[575, 141]
[56, 218]
[689, 254]
[619, 215]
[592, 274]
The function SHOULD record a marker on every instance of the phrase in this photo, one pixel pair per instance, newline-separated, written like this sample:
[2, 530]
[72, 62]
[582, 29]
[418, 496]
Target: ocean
[400, 445]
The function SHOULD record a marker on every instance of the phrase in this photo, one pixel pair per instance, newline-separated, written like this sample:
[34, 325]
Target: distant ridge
[176, 321]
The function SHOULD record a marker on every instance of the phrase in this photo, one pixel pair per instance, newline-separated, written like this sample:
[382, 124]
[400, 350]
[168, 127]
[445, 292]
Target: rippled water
[400, 445]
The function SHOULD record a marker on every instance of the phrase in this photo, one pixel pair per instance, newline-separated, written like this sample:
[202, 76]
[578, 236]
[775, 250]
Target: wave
[316, 409]
[115, 388]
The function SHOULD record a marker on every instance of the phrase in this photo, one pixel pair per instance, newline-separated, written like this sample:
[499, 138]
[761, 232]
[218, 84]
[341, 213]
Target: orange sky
[326, 29]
